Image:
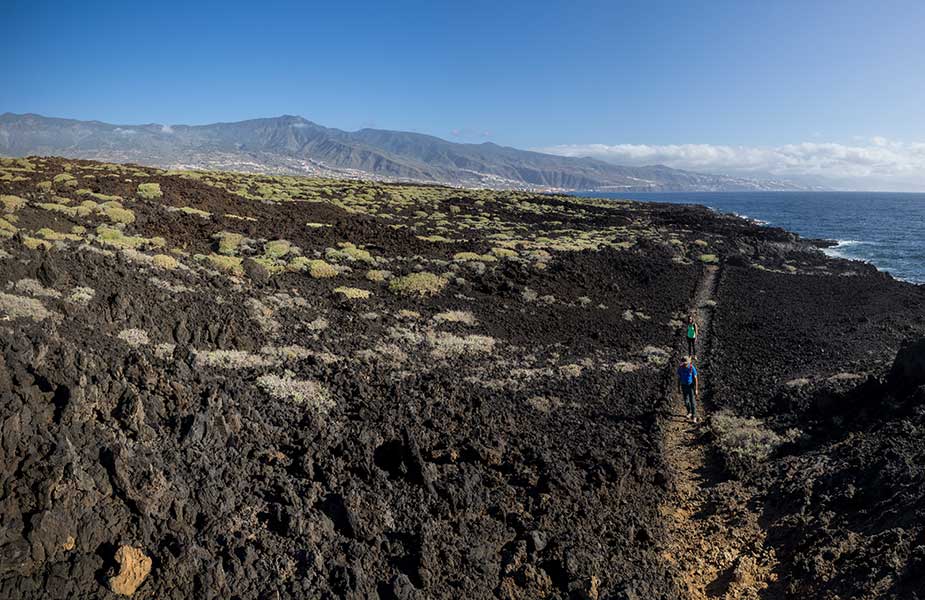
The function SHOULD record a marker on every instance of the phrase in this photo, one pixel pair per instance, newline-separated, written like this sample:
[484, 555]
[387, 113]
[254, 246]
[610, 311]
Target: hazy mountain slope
[290, 144]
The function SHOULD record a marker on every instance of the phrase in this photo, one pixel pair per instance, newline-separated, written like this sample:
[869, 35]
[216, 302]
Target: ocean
[884, 229]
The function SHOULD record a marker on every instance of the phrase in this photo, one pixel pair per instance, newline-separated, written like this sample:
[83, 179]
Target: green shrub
[272, 265]
[81, 295]
[239, 217]
[65, 180]
[111, 236]
[11, 203]
[456, 316]
[353, 293]
[7, 229]
[745, 443]
[320, 269]
[448, 345]
[228, 264]
[164, 261]
[134, 337]
[378, 275]
[149, 191]
[231, 359]
[435, 239]
[357, 254]
[277, 248]
[655, 355]
[116, 213]
[472, 256]
[304, 392]
[34, 287]
[348, 251]
[228, 242]
[189, 210]
[18, 307]
[298, 263]
[418, 284]
[54, 236]
[504, 252]
[34, 243]
[709, 258]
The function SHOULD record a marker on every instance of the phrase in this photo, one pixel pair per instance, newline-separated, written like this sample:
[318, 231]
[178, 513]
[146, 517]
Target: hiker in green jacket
[691, 336]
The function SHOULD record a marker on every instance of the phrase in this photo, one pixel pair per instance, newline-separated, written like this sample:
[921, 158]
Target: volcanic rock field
[217, 385]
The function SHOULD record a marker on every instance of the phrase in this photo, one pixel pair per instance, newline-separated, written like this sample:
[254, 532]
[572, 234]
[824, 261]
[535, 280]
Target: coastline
[282, 386]
[885, 238]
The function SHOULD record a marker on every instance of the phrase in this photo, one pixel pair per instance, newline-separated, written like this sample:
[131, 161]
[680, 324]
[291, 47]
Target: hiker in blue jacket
[688, 385]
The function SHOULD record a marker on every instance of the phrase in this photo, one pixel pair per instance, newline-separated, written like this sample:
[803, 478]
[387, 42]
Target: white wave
[752, 219]
[741, 216]
[837, 251]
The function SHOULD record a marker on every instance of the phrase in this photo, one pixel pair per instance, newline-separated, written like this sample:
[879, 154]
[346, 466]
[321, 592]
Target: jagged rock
[403, 589]
[256, 271]
[909, 366]
[47, 273]
[538, 540]
[181, 332]
[134, 568]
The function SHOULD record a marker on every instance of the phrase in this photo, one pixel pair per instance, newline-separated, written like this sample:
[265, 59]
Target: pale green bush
[320, 269]
[149, 191]
[746, 442]
[231, 359]
[377, 275]
[418, 284]
[353, 293]
[448, 345]
[19, 307]
[164, 261]
[299, 391]
[228, 242]
[277, 248]
[134, 337]
[456, 316]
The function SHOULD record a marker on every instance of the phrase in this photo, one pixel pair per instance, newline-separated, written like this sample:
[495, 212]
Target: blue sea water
[884, 229]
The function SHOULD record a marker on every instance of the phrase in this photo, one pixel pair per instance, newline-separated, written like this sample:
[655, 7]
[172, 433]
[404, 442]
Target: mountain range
[294, 145]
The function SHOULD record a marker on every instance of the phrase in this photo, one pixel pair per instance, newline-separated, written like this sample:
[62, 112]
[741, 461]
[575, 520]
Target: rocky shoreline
[223, 385]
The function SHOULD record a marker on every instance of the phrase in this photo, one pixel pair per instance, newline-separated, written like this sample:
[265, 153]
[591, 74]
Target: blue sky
[570, 77]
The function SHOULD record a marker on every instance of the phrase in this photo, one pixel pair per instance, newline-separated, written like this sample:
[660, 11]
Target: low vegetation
[353, 293]
[320, 269]
[307, 393]
[745, 442]
[418, 284]
[149, 191]
[227, 264]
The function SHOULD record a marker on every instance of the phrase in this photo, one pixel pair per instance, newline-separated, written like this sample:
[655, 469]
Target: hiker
[689, 386]
[691, 336]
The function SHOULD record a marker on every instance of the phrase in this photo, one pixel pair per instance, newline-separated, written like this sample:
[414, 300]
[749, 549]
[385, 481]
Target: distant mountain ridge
[294, 145]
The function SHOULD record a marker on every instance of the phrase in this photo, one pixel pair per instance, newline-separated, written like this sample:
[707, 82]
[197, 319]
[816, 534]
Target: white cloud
[870, 163]
[122, 131]
[166, 129]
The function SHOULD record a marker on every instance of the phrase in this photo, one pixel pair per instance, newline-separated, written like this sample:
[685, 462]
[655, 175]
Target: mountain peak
[293, 144]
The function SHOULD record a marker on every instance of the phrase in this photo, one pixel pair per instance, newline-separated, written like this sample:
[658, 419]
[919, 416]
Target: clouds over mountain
[869, 163]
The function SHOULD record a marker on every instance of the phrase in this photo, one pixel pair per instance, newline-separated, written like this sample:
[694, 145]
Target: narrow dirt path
[717, 542]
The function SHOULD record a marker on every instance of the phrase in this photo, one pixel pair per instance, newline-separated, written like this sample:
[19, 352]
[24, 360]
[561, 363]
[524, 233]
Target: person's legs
[691, 346]
[688, 392]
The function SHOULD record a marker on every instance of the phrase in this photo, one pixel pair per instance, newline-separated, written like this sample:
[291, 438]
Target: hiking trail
[715, 538]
